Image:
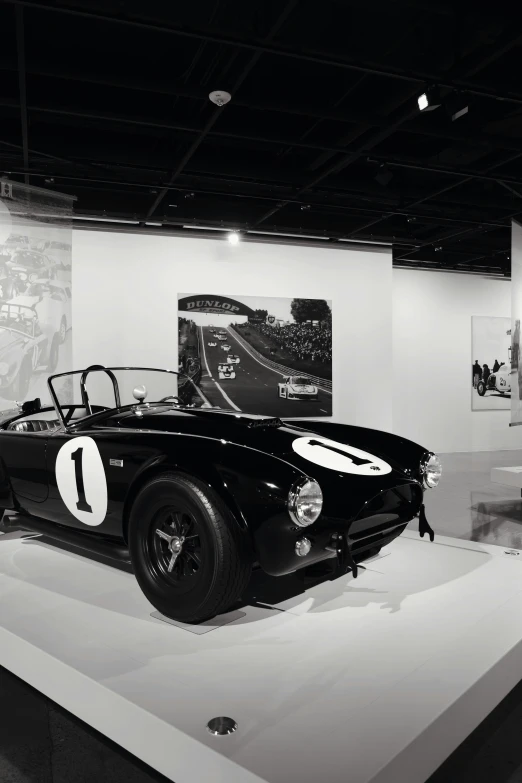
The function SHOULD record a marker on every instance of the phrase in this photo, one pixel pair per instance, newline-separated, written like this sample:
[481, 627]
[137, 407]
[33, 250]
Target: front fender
[253, 485]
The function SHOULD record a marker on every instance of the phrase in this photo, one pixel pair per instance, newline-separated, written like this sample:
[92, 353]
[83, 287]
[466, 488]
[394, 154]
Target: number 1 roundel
[81, 480]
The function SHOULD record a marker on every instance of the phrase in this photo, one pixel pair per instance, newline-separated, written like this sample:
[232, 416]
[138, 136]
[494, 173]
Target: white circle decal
[81, 480]
[338, 456]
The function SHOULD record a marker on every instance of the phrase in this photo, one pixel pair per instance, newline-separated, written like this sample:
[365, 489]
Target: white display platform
[376, 679]
[511, 477]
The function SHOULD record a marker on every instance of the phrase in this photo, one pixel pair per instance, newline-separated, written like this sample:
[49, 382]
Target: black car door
[24, 456]
[88, 478]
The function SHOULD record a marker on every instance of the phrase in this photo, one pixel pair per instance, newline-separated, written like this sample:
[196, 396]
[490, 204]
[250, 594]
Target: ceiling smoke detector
[220, 97]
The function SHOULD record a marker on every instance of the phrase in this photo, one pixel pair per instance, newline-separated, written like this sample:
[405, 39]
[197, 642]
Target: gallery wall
[432, 360]
[129, 283]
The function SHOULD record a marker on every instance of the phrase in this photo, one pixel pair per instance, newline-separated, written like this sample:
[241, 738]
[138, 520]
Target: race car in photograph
[222, 337]
[297, 388]
[26, 345]
[226, 371]
[211, 345]
[26, 266]
[499, 382]
[196, 498]
[225, 347]
[232, 358]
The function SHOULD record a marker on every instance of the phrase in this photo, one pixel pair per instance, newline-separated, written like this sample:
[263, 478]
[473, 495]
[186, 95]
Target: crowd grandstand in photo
[302, 341]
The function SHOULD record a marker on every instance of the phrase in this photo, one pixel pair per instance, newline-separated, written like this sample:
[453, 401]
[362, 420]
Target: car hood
[323, 450]
[25, 301]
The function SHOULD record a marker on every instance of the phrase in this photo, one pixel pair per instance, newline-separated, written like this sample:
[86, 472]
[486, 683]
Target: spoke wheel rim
[174, 546]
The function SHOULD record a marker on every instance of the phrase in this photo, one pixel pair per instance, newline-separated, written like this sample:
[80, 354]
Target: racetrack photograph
[264, 355]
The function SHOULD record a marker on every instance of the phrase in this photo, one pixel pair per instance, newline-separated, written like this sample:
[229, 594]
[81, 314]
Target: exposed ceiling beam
[263, 46]
[177, 89]
[20, 53]
[192, 182]
[394, 161]
[254, 59]
[451, 186]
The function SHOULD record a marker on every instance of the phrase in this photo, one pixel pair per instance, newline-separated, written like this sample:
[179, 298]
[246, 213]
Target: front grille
[385, 516]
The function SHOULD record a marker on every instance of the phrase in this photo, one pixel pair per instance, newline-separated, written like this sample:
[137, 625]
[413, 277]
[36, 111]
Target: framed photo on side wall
[490, 363]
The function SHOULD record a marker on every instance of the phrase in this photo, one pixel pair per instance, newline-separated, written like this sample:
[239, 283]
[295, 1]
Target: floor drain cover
[222, 726]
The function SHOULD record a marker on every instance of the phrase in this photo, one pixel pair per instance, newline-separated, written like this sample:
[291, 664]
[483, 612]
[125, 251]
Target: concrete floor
[41, 743]
[467, 505]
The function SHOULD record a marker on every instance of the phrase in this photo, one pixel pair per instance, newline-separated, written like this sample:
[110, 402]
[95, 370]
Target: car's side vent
[265, 423]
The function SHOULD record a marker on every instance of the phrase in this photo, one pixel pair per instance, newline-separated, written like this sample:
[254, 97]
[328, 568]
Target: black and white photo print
[35, 292]
[266, 355]
[490, 363]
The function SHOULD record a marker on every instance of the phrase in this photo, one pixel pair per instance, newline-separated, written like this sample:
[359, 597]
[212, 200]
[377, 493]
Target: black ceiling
[108, 101]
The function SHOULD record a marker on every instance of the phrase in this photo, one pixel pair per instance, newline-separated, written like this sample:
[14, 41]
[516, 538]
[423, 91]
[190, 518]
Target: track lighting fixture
[384, 175]
[429, 100]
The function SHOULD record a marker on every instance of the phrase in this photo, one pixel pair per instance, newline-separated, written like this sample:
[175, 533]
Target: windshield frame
[85, 397]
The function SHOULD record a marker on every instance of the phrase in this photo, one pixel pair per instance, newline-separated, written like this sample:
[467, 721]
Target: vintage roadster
[499, 382]
[196, 498]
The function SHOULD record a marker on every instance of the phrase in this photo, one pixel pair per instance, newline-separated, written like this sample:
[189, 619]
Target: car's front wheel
[189, 557]
[481, 388]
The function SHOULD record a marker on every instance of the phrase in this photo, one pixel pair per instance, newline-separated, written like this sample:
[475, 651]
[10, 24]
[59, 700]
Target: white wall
[125, 304]
[432, 361]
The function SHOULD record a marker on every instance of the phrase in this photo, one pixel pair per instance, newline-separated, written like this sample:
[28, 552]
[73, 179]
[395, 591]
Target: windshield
[18, 317]
[298, 381]
[100, 388]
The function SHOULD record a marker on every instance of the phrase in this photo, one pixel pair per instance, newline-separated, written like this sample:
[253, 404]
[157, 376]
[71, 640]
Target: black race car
[196, 497]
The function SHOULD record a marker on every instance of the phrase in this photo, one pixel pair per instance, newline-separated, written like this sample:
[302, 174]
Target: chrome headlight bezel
[296, 495]
[431, 470]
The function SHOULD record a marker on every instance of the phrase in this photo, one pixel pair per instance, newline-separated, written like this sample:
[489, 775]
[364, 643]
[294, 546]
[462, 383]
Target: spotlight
[429, 100]
[233, 237]
[384, 176]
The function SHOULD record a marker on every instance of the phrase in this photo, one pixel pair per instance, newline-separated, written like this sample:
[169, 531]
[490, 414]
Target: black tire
[19, 388]
[194, 591]
[54, 352]
[63, 329]
[481, 388]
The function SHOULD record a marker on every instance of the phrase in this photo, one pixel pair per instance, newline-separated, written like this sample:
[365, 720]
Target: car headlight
[431, 470]
[305, 502]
